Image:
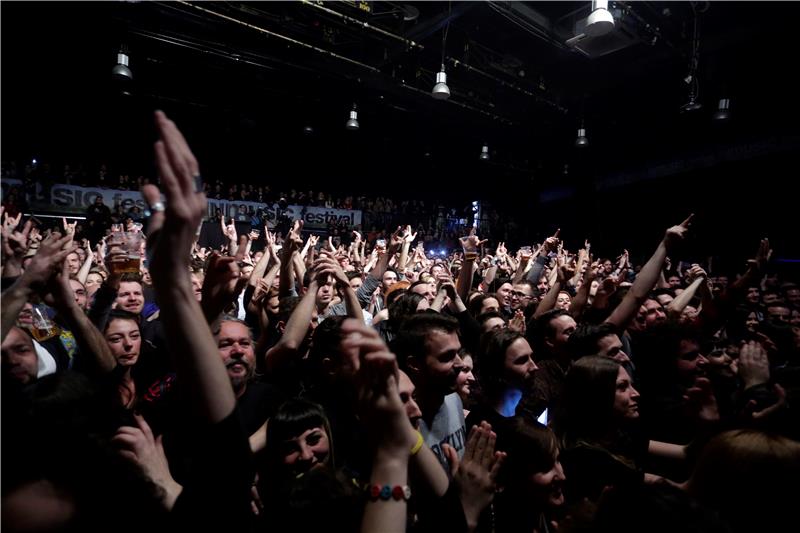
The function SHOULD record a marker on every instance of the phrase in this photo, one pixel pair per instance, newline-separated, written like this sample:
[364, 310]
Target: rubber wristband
[418, 446]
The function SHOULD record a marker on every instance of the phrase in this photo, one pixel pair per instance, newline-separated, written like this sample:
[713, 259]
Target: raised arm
[194, 350]
[679, 303]
[46, 261]
[290, 247]
[296, 329]
[648, 276]
[83, 273]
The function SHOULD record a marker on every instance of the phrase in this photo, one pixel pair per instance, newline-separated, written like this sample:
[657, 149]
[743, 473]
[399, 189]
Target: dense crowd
[371, 380]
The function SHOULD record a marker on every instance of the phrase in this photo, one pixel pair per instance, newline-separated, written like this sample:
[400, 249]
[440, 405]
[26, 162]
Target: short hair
[583, 341]
[403, 307]
[542, 329]
[120, 314]
[531, 448]
[286, 307]
[413, 334]
[352, 274]
[130, 277]
[484, 317]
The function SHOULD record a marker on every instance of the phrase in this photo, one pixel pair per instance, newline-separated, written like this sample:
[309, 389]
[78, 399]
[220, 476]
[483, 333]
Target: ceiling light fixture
[485, 152]
[600, 21]
[121, 71]
[352, 122]
[723, 110]
[582, 140]
[441, 91]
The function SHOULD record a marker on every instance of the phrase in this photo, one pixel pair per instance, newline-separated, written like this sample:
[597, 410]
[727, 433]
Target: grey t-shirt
[448, 427]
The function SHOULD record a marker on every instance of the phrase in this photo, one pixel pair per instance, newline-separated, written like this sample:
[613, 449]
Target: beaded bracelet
[385, 492]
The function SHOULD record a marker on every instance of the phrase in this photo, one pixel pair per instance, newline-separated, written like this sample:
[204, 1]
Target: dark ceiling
[244, 79]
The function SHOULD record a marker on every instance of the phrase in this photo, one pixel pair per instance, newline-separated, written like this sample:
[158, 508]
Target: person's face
[442, 363]
[520, 296]
[308, 450]
[543, 285]
[124, 340]
[146, 279]
[753, 295]
[794, 320]
[610, 346]
[493, 323]
[654, 313]
[436, 271]
[427, 290]
[408, 395]
[489, 304]
[130, 297]
[519, 366]
[770, 299]
[356, 282]
[197, 286]
[691, 363]
[751, 322]
[389, 279]
[563, 300]
[626, 398]
[674, 282]
[721, 363]
[73, 263]
[18, 357]
[466, 379]
[505, 293]
[548, 486]
[93, 282]
[779, 314]
[325, 292]
[563, 326]
[79, 292]
[607, 266]
[236, 349]
[793, 297]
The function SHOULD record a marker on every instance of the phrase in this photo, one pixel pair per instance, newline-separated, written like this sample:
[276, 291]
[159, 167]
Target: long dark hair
[490, 363]
[589, 390]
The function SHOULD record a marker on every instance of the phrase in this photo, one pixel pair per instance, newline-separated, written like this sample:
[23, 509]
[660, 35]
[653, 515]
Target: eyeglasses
[519, 294]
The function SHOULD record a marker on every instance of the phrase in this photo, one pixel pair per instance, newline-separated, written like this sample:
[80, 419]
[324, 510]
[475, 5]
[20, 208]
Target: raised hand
[753, 364]
[15, 243]
[47, 260]
[763, 255]
[379, 398]
[172, 231]
[696, 271]
[222, 283]
[408, 236]
[517, 322]
[471, 243]
[677, 234]
[552, 243]
[701, 400]
[357, 236]
[140, 446]
[476, 474]
[397, 239]
[327, 266]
